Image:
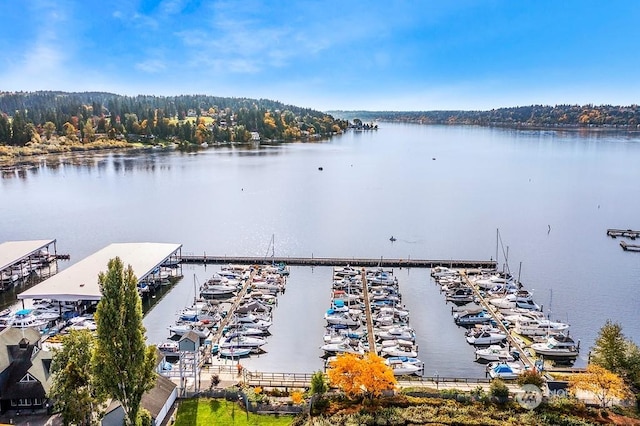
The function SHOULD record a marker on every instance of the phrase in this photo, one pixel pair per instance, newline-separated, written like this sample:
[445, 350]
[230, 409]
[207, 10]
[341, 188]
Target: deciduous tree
[73, 390]
[602, 383]
[365, 376]
[49, 128]
[123, 365]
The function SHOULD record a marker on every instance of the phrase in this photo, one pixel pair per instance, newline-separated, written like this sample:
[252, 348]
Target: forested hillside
[192, 118]
[625, 117]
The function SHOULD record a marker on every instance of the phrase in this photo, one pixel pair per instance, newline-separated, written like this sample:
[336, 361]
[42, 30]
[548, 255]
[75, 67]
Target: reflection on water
[442, 191]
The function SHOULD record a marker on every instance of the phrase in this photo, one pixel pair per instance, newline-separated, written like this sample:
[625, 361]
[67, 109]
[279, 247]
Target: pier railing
[340, 261]
[303, 380]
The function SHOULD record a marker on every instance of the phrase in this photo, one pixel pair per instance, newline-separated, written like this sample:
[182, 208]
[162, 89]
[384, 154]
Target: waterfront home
[25, 378]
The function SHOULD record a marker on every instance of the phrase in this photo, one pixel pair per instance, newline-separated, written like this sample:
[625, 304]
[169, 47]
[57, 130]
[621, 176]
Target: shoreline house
[25, 377]
[158, 401]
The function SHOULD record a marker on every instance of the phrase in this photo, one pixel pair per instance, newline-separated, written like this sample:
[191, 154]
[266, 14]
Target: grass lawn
[206, 412]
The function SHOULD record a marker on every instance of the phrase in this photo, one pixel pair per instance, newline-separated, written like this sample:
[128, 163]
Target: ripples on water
[441, 191]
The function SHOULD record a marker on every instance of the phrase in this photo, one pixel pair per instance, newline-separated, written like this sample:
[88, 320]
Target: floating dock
[629, 247]
[340, 261]
[629, 233]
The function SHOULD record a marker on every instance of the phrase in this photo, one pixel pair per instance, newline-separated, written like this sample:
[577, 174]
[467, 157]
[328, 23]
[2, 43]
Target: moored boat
[557, 347]
[504, 370]
[494, 353]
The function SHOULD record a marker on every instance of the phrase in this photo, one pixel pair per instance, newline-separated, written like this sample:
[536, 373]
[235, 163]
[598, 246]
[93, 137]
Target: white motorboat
[504, 370]
[25, 318]
[8, 276]
[342, 347]
[557, 347]
[403, 333]
[347, 271]
[398, 350]
[512, 315]
[82, 323]
[486, 337]
[217, 290]
[494, 353]
[254, 321]
[407, 359]
[470, 318]
[520, 299]
[396, 342]
[489, 282]
[234, 352]
[241, 341]
[382, 278]
[169, 347]
[247, 330]
[343, 318]
[401, 368]
[539, 327]
[182, 328]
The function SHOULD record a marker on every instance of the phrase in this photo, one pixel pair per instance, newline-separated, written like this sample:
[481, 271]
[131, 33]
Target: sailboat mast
[497, 239]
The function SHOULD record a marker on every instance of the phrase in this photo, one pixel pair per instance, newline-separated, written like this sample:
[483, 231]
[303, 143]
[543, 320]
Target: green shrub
[531, 377]
[498, 389]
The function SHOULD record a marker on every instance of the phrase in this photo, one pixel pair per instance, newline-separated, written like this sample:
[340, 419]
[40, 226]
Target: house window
[28, 378]
[24, 402]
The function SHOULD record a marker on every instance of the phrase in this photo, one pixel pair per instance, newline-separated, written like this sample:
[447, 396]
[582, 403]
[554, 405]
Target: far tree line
[558, 116]
[82, 117]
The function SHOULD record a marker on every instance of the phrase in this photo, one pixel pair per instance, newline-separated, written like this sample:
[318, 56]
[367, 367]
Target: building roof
[155, 399]
[14, 251]
[80, 281]
[26, 361]
[10, 337]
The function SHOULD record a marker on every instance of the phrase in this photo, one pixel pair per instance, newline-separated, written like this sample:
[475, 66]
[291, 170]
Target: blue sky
[373, 55]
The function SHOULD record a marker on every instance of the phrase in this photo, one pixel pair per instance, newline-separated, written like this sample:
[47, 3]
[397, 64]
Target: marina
[450, 210]
[509, 329]
[22, 260]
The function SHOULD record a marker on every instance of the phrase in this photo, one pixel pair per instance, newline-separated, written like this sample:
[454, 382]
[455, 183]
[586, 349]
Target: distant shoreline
[14, 157]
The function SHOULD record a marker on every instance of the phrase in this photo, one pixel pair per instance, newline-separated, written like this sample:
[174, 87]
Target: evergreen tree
[122, 364]
[610, 347]
[5, 129]
[19, 130]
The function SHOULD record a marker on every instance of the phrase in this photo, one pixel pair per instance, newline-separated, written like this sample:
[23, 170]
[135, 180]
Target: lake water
[441, 191]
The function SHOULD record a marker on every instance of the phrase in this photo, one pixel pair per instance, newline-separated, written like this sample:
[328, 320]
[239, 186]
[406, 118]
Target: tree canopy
[365, 376]
[562, 116]
[189, 118]
[613, 351]
[73, 389]
[602, 383]
[122, 364]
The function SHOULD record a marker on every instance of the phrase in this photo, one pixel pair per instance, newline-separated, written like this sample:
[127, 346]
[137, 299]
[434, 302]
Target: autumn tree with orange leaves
[602, 383]
[366, 376]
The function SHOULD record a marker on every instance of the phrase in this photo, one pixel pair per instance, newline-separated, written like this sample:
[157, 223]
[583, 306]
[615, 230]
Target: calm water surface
[441, 191]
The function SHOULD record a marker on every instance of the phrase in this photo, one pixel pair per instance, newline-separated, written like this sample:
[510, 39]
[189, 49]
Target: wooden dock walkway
[340, 261]
[629, 247]
[217, 335]
[371, 338]
[629, 233]
[497, 316]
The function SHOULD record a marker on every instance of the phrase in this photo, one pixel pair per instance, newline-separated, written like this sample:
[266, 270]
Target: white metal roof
[80, 281]
[14, 251]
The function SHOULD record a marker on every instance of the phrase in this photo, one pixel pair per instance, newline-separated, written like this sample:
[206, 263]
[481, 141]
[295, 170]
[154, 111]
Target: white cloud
[151, 66]
[171, 7]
